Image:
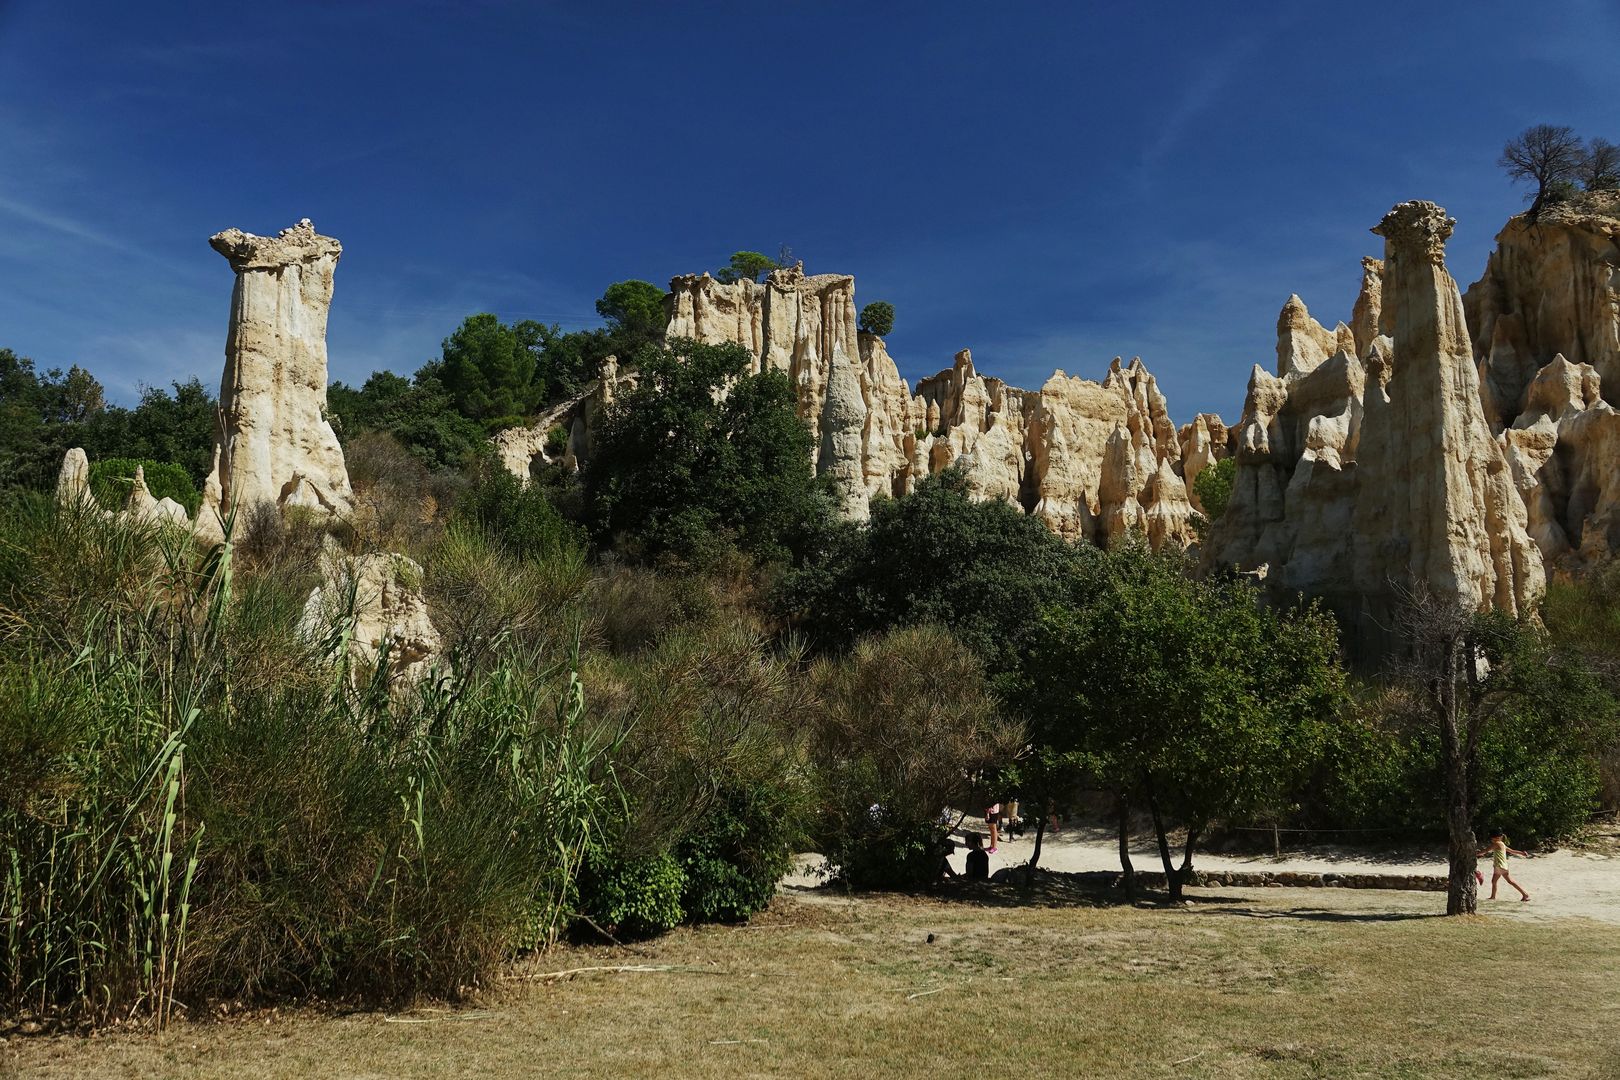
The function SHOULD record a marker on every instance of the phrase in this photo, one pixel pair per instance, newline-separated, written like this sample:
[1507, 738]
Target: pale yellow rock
[1365, 316]
[274, 443]
[1437, 508]
[380, 595]
[1302, 342]
[142, 509]
[73, 481]
[1551, 287]
[1564, 448]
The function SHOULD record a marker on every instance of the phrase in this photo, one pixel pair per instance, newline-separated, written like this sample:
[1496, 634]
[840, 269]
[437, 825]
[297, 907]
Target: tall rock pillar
[1436, 508]
[273, 443]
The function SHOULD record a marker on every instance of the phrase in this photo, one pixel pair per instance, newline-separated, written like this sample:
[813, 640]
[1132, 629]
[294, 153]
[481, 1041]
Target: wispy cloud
[61, 223]
[1201, 94]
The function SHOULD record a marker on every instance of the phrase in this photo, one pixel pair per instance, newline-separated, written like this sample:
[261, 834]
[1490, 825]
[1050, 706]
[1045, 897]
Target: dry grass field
[1264, 983]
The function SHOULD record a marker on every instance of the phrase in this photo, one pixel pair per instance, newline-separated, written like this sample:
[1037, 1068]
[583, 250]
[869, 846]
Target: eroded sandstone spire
[273, 442]
[1436, 506]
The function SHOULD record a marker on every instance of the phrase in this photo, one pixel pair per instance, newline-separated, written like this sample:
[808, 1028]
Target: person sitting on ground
[946, 849]
[978, 860]
[1499, 852]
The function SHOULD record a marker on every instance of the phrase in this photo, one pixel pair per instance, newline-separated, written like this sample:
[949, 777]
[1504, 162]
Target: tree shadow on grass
[1219, 905]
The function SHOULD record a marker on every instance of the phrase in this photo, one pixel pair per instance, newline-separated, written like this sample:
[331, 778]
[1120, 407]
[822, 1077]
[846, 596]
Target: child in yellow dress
[1499, 852]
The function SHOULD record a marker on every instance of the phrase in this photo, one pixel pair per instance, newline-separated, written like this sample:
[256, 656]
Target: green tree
[1484, 672]
[878, 318]
[419, 413]
[634, 311]
[1185, 696]
[491, 370]
[746, 266]
[701, 452]
[1213, 486]
[906, 727]
[1003, 565]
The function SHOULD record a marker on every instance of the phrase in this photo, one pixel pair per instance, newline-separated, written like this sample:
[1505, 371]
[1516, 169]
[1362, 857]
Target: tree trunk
[1171, 878]
[1462, 890]
[1125, 849]
[1186, 870]
[1035, 856]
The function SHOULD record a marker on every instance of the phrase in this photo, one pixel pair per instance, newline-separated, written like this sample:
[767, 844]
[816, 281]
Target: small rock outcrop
[273, 442]
[380, 596]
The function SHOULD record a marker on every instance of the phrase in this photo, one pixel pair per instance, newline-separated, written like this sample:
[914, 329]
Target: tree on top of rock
[747, 266]
[878, 318]
[1600, 169]
[1548, 155]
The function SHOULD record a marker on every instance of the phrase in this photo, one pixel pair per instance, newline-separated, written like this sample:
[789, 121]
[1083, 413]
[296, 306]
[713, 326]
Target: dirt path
[1562, 883]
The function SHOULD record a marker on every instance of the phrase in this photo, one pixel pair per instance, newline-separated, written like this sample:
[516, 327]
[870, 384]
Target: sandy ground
[1562, 883]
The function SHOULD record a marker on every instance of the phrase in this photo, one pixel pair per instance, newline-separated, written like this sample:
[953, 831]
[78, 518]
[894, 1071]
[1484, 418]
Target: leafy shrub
[905, 725]
[1213, 486]
[739, 850]
[877, 318]
[556, 440]
[633, 896]
[516, 516]
[111, 479]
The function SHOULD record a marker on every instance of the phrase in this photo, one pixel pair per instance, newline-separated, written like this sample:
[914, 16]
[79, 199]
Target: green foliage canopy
[701, 451]
[1002, 568]
[878, 318]
[1213, 486]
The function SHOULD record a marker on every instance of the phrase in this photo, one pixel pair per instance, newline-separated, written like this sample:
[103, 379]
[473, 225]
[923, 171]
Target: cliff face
[1551, 288]
[1047, 451]
[1452, 443]
[273, 442]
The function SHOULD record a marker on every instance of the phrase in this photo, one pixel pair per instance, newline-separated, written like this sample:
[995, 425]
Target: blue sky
[1047, 184]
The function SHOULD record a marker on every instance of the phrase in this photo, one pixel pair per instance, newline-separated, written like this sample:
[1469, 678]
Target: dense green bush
[111, 480]
[1213, 486]
[863, 579]
[516, 516]
[739, 850]
[702, 455]
[633, 896]
[905, 727]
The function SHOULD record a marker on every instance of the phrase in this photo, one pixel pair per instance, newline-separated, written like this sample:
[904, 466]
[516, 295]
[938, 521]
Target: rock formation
[1044, 451]
[382, 595]
[1362, 477]
[273, 442]
[1551, 288]
[1437, 504]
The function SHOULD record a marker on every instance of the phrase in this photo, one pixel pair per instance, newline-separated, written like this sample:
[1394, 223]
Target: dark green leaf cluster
[982, 568]
[701, 453]
[1213, 486]
[43, 415]
[878, 318]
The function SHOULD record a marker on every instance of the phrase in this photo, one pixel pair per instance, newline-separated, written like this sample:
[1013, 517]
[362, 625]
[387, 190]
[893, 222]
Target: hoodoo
[273, 443]
[1437, 506]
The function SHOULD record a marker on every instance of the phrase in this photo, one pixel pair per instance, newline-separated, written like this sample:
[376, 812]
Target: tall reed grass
[195, 802]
